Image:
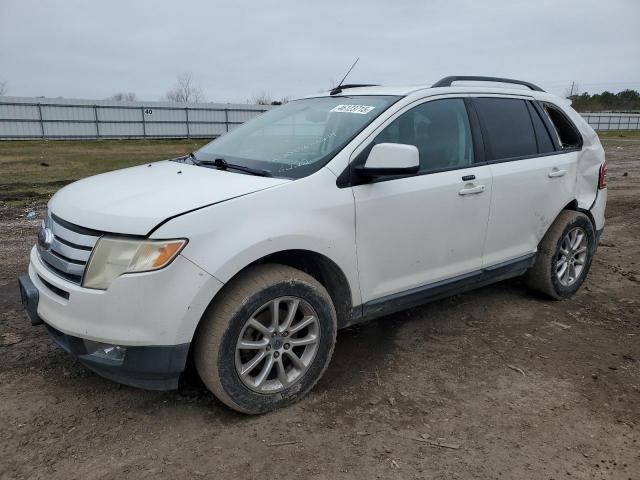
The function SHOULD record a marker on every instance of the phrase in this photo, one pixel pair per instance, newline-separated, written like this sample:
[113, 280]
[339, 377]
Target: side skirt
[434, 291]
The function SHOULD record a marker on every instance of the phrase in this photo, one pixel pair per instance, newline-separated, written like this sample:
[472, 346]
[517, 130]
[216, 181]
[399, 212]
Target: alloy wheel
[572, 256]
[277, 344]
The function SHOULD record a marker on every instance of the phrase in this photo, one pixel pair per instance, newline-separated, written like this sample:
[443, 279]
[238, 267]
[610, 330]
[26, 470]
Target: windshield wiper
[190, 156]
[222, 164]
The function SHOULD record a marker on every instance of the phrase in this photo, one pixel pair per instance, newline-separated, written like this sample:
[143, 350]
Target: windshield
[298, 138]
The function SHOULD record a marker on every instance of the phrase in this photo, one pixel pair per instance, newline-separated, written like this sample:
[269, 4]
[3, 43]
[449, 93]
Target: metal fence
[49, 118]
[55, 118]
[612, 120]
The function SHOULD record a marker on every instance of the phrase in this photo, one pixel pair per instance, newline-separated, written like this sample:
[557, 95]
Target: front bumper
[151, 368]
[152, 308]
[151, 317]
[148, 367]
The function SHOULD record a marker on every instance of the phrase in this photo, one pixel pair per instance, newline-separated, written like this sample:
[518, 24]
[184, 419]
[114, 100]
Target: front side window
[507, 128]
[439, 129]
[298, 138]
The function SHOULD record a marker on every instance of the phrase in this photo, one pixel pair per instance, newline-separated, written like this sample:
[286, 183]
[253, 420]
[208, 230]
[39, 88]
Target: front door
[429, 227]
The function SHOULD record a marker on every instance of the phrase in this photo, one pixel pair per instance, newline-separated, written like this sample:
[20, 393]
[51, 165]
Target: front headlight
[114, 256]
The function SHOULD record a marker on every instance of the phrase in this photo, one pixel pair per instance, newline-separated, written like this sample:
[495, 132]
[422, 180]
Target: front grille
[70, 248]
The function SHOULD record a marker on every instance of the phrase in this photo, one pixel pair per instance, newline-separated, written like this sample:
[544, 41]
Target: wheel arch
[324, 270]
[573, 205]
[319, 266]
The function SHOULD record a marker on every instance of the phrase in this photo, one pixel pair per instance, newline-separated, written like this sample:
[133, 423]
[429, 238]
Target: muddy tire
[564, 256]
[266, 339]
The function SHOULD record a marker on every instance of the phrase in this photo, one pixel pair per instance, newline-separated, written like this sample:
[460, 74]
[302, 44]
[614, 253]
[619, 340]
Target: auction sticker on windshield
[361, 109]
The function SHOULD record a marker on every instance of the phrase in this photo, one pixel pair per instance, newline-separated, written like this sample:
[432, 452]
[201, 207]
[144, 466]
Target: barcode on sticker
[361, 109]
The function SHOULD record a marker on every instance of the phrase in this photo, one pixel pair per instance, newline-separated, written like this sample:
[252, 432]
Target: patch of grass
[31, 171]
[619, 134]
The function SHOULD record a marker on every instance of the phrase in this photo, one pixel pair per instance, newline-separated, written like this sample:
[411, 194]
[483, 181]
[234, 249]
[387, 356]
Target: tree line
[185, 90]
[626, 100]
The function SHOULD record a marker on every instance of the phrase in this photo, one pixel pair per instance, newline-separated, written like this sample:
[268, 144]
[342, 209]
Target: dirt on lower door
[495, 383]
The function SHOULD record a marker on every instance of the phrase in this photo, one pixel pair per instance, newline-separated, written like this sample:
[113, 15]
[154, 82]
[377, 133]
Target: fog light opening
[113, 353]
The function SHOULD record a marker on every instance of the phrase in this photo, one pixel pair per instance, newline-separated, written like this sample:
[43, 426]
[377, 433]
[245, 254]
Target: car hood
[134, 200]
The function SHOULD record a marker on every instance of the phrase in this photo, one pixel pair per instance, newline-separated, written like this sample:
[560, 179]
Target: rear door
[533, 180]
[423, 228]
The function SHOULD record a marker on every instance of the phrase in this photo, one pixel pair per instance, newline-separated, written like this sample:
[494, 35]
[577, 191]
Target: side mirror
[390, 159]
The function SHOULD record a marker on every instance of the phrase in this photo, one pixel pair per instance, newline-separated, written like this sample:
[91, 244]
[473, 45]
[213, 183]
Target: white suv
[251, 252]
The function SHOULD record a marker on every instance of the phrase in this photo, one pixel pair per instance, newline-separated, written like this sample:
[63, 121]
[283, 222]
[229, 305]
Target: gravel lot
[496, 383]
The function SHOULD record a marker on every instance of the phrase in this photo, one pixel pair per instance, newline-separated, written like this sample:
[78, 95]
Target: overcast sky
[237, 49]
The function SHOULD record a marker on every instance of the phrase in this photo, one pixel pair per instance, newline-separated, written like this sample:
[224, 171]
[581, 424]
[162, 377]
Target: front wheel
[564, 256]
[267, 339]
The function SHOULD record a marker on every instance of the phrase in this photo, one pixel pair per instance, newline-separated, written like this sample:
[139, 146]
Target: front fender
[307, 214]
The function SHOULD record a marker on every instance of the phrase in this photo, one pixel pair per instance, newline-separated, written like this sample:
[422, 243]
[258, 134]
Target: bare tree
[572, 91]
[263, 98]
[185, 90]
[124, 97]
[3, 88]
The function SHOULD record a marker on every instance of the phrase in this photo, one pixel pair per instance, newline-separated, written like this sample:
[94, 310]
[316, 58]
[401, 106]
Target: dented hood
[134, 200]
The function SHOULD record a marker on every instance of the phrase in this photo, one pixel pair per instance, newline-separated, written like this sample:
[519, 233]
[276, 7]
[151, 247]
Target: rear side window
[507, 128]
[568, 134]
[545, 144]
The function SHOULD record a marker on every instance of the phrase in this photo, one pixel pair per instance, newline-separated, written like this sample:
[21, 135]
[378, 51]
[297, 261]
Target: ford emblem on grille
[45, 237]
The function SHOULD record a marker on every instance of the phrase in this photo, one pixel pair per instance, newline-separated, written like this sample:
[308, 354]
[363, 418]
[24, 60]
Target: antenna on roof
[337, 90]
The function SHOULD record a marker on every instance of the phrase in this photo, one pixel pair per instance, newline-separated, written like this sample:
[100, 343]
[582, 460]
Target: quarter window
[507, 128]
[439, 128]
[568, 134]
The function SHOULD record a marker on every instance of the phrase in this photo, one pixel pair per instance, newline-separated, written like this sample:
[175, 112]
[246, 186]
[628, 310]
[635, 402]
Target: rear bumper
[599, 234]
[598, 208]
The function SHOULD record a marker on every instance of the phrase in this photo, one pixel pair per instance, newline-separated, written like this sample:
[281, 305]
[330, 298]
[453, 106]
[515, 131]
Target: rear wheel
[564, 256]
[267, 339]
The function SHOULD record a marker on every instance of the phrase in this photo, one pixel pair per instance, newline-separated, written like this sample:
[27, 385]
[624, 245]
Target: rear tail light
[602, 177]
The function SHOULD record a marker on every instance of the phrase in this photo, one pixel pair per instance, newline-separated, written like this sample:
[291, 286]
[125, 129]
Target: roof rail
[447, 81]
[339, 88]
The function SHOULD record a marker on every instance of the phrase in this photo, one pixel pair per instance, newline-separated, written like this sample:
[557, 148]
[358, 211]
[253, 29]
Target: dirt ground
[496, 383]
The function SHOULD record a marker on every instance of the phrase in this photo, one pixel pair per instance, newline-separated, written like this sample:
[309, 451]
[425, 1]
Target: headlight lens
[114, 256]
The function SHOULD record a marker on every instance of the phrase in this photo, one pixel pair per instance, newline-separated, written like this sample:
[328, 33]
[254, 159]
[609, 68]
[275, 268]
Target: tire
[226, 328]
[546, 275]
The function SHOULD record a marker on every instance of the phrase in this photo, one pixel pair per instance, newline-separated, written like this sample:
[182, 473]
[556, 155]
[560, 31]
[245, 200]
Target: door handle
[557, 173]
[472, 190]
